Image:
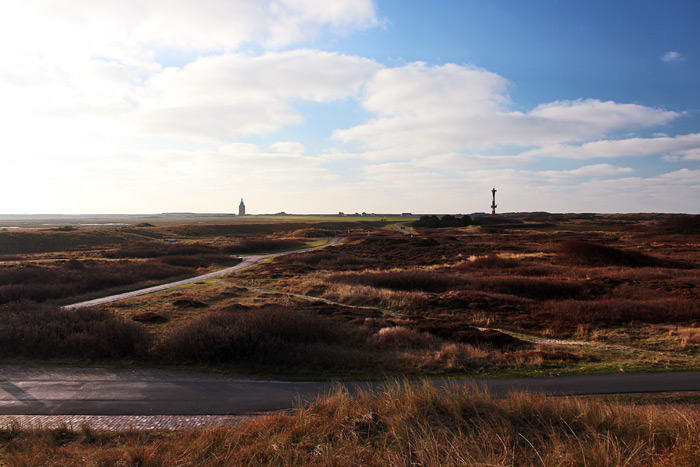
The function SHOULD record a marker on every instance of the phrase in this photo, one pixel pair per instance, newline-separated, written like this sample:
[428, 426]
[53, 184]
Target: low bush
[255, 245]
[682, 224]
[488, 262]
[41, 283]
[331, 260]
[425, 281]
[269, 335]
[593, 254]
[443, 221]
[157, 250]
[195, 260]
[540, 288]
[399, 337]
[149, 317]
[568, 314]
[33, 330]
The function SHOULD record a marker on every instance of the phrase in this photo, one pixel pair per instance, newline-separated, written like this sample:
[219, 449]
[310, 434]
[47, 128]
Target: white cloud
[681, 144]
[427, 110]
[672, 56]
[205, 25]
[692, 154]
[597, 170]
[226, 96]
[213, 99]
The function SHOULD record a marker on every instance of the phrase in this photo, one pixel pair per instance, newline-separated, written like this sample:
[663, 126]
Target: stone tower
[241, 208]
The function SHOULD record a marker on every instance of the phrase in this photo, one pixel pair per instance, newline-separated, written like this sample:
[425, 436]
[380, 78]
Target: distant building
[241, 208]
[406, 214]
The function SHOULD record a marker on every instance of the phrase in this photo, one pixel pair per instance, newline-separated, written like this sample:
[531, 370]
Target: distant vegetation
[42, 282]
[682, 224]
[443, 221]
[592, 254]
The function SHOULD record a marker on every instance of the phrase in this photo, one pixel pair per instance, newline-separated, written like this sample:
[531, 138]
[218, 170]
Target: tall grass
[400, 426]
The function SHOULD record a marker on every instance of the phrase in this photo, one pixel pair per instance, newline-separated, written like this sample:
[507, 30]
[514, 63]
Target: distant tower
[493, 203]
[241, 208]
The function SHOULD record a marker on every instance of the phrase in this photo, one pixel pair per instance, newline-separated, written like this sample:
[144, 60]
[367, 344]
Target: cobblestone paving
[112, 422]
[119, 423]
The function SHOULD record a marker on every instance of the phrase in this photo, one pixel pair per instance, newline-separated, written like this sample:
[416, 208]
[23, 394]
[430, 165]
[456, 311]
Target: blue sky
[311, 106]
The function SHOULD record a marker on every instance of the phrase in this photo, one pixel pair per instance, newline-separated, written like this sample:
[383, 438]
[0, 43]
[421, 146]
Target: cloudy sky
[320, 106]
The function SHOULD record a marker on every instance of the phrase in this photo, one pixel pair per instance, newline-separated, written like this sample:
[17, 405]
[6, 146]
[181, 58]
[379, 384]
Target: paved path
[249, 261]
[127, 392]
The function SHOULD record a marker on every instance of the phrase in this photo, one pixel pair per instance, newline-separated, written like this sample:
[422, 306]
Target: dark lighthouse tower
[241, 208]
[493, 203]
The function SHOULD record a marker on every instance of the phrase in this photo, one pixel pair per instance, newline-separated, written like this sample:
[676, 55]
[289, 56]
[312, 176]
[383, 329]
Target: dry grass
[687, 336]
[401, 426]
[365, 295]
[399, 337]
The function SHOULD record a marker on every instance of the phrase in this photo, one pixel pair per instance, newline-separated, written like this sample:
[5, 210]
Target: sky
[321, 106]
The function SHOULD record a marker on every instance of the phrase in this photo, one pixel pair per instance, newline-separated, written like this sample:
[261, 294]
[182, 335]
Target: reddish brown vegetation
[269, 335]
[425, 281]
[566, 315]
[149, 317]
[51, 282]
[597, 271]
[592, 254]
[45, 332]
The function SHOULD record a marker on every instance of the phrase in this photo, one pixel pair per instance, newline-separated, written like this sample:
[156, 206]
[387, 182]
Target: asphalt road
[249, 261]
[206, 395]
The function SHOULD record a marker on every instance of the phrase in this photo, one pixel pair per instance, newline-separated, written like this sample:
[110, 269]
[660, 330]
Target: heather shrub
[593, 254]
[74, 278]
[488, 262]
[539, 289]
[194, 260]
[426, 281]
[149, 317]
[33, 330]
[399, 337]
[255, 245]
[568, 314]
[331, 260]
[270, 335]
[684, 224]
[156, 250]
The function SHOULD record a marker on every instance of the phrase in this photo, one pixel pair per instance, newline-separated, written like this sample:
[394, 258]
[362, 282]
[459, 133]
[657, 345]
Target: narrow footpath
[249, 261]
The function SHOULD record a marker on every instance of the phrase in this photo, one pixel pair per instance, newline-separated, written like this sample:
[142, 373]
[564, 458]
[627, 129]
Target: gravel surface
[119, 423]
